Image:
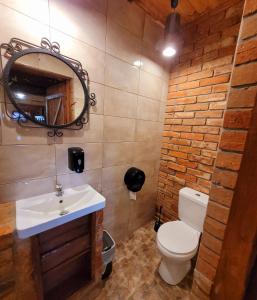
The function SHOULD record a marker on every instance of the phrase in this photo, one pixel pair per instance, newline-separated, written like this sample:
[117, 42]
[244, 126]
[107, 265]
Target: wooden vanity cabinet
[63, 258]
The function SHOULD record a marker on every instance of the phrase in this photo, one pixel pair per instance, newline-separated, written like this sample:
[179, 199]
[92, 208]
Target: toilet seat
[178, 238]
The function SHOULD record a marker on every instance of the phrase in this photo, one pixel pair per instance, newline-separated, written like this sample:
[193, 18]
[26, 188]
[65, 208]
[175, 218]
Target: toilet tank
[192, 208]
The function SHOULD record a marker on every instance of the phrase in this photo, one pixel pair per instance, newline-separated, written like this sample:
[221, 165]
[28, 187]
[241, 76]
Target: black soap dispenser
[76, 159]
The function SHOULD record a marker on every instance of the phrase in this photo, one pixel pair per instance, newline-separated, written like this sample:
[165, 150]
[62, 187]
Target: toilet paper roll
[132, 195]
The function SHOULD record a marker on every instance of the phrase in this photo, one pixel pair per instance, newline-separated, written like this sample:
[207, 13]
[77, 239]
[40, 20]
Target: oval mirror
[45, 88]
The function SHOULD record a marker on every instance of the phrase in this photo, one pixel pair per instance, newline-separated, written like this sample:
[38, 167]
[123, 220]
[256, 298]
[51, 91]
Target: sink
[40, 213]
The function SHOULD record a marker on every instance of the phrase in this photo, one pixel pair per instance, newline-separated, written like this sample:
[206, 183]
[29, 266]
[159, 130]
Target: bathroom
[146, 187]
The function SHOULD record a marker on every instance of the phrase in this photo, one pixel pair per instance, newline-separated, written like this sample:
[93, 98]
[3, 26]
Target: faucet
[59, 191]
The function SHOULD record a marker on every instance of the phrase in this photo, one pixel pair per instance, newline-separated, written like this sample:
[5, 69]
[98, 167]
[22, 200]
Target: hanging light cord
[174, 4]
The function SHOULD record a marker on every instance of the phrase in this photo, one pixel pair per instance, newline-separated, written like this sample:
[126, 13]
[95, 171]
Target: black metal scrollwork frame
[15, 49]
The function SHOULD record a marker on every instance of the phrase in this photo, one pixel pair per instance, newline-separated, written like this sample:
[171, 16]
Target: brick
[190, 150]
[233, 140]
[176, 167]
[226, 51]
[199, 91]
[206, 129]
[187, 163]
[225, 23]
[221, 195]
[215, 80]
[218, 105]
[179, 94]
[201, 159]
[200, 75]
[197, 106]
[172, 88]
[223, 70]
[209, 114]
[171, 122]
[214, 227]
[211, 138]
[187, 177]
[198, 173]
[250, 7]
[209, 153]
[188, 85]
[249, 27]
[219, 88]
[178, 154]
[225, 178]
[246, 52]
[239, 119]
[244, 74]
[211, 97]
[203, 282]
[174, 108]
[184, 115]
[187, 100]
[192, 136]
[205, 168]
[194, 122]
[170, 134]
[178, 80]
[244, 97]
[218, 62]
[218, 212]
[181, 142]
[231, 31]
[229, 161]
[222, 43]
[181, 128]
[211, 242]
[204, 145]
[214, 122]
[209, 256]
[235, 10]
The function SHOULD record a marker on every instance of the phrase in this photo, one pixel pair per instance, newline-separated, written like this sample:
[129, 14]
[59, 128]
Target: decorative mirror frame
[17, 48]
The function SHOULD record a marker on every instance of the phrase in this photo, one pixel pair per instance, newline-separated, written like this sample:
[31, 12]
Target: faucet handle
[58, 187]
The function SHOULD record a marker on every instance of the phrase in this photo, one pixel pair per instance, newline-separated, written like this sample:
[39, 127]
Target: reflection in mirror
[46, 89]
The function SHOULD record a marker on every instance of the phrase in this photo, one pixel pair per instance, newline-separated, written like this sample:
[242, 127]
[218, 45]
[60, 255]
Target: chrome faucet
[59, 191]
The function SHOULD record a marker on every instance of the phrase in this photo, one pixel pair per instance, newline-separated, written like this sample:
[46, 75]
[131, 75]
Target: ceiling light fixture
[172, 27]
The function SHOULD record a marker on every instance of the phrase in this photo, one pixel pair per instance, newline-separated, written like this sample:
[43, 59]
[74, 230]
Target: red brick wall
[198, 87]
[241, 100]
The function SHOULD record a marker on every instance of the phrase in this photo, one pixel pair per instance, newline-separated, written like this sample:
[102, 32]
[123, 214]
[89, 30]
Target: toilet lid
[178, 237]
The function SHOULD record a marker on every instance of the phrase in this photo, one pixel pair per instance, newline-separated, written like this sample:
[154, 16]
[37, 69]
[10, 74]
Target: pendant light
[171, 35]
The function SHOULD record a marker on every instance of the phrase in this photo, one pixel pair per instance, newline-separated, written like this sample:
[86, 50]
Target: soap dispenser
[76, 159]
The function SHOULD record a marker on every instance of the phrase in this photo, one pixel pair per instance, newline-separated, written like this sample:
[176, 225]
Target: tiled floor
[135, 272]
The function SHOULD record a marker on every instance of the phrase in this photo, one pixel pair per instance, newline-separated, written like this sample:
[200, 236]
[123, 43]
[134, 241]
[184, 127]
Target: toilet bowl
[178, 241]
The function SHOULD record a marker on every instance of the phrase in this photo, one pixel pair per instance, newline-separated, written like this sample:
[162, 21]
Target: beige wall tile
[149, 167]
[148, 109]
[92, 132]
[146, 151]
[14, 24]
[19, 190]
[147, 131]
[121, 75]
[99, 91]
[92, 177]
[26, 162]
[116, 215]
[91, 58]
[122, 44]
[119, 129]
[150, 86]
[93, 156]
[79, 20]
[153, 33]
[128, 15]
[117, 153]
[119, 103]
[113, 177]
[35, 9]
[152, 61]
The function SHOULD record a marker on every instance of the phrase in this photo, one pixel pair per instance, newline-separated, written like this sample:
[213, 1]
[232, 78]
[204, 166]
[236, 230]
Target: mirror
[45, 88]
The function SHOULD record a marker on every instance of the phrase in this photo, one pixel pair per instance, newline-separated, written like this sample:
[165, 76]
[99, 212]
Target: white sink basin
[40, 213]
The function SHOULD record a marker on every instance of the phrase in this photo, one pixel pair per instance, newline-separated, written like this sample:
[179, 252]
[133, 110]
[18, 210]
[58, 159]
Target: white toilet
[178, 241]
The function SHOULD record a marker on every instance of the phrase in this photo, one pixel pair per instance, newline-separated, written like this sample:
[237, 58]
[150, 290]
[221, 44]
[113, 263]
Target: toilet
[178, 241]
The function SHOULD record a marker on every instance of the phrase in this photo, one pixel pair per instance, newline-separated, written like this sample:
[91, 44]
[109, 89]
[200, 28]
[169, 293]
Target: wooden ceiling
[188, 9]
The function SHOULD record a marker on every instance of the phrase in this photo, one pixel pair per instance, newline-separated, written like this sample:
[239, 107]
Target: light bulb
[169, 51]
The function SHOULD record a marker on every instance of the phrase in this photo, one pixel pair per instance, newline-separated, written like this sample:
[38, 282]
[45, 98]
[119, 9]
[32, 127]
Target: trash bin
[107, 254]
